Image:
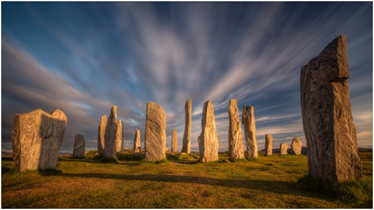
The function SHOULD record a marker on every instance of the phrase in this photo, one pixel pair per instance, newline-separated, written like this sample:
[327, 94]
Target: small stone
[111, 135]
[236, 150]
[174, 142]
[187, 127]
[296, 145]
[248, 120]
[101, 136]
[268, 145]
[137, 141]
[79, 146]
[37, 137]
[283, 149]
[119, 137]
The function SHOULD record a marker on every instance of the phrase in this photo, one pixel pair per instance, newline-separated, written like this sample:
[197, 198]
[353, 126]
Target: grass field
[180, 182]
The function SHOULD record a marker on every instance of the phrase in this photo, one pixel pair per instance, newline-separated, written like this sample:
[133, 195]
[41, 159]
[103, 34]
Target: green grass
[181, 182]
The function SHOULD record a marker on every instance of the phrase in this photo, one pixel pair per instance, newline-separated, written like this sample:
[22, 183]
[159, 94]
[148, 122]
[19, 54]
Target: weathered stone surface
[283, 149]
[79, 146]
[155, 133]
[174, 142]
[327, 117]
[37, 137]
[248, 120]
[208, 140]
[137, 141]
[119, 137]
[236, 150]
[268, 144]
[296, 145]
[111, 134]
[186, 147]
[101, 136]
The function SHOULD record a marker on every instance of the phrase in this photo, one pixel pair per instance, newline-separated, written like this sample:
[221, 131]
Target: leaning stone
[248, 120]
[327, 117]
[174, 142]
[187, 128]
[119, 137]
[79, 146]
[268, 145]
[296, 145]
[236, 150]
[283, 149]
[37, 137]
[101, 136]
[111, 135]
[208, 140]
[137, 141]
[155, 133]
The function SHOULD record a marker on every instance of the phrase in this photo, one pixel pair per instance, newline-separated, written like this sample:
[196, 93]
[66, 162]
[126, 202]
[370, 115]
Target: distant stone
[111, 135]
[236, 150]
[137, 141]
[37, 137]
[296, 145]
[119, 137]
[79, 146]
[101, 136]
[208, 140]
[283, 149]
[186, 147]
[268, 144]
[155, 133]
[327, 117]
[248, 120]
[174, 142]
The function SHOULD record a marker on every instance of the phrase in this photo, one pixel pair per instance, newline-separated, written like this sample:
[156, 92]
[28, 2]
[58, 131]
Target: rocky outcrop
[248, 120]
[327, 117]
[111, 135]
[186, 147]
[174, 142]
[268, 145]
[296, 146]
[37, 137]
[137, 141]
[119, 137]
[208, 140]
[236, 150]
[101, 136]
[283, 149]
[155, 133]
[79, 146]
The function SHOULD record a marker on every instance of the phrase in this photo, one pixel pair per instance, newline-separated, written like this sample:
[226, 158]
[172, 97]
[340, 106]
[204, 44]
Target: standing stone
[283, 149]
[37, 137]
[119, 137]
[101, 136]
[268, 145]
[248, 120]
[79, 146]
[236, 150]
[296, 145]
[137, 141]
[187, 127]
[208, 140]
[155, 133]
[327, 117]
[174, 142]
[111, 134]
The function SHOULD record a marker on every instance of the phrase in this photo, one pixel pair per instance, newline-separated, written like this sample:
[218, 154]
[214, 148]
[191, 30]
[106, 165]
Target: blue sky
[83, 58]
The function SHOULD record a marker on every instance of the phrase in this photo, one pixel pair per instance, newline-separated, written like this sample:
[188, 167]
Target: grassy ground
[180, 182]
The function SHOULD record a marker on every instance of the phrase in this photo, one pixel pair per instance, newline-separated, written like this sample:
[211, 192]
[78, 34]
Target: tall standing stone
[101, 136]
[111, 135]
[236, 150]
[248, 120]
[79, 146]
[174, 142]
[37, 137]
[283, 148]
[155, 133]
[119, 137]
[327, 117]
[296, 145]
[268, 145]
[137, 141]
[187, 127]
[208, 140]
